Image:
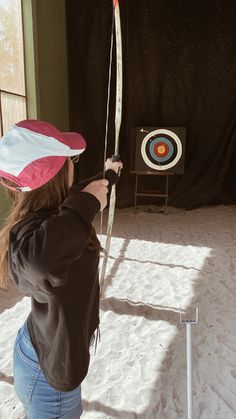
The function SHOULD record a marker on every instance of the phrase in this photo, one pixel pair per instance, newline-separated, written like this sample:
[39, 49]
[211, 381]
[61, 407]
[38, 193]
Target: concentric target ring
[161, 149]
[161, 143]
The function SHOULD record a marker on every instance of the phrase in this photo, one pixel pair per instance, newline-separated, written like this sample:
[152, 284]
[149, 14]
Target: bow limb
[118, 116]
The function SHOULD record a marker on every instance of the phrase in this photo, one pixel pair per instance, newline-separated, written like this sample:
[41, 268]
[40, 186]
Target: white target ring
[166, 166]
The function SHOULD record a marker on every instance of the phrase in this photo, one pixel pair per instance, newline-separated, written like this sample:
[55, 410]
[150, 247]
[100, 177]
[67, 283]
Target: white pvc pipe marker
[188, 324]
[189, 370]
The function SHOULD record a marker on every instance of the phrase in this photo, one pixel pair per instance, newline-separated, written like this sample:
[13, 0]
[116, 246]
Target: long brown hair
[48, 196]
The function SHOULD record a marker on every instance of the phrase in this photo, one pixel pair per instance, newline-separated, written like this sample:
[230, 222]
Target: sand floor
[157, 264]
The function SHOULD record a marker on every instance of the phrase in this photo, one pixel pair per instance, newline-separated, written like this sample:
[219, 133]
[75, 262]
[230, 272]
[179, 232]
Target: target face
[161, 149]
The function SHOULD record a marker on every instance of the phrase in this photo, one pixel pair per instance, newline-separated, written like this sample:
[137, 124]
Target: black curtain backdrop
[179, 61]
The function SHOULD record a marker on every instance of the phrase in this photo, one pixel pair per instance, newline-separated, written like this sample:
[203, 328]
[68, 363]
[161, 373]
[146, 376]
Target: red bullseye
[161, 149]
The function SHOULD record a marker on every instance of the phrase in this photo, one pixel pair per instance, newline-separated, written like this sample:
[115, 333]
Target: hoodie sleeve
[110, 175]
[52, 245]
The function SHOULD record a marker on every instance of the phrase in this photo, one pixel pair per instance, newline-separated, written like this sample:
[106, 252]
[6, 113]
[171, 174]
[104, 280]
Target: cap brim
[75, 141]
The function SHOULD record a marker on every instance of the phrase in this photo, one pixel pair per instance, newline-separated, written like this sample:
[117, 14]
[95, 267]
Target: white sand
[160, 263]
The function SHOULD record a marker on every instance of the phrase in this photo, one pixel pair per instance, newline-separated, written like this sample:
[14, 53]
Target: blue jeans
[40, 400]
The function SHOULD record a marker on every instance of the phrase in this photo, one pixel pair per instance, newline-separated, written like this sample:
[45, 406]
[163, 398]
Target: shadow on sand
[214, 293]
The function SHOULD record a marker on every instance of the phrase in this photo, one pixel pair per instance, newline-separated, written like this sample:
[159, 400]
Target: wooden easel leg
[136, 191]
[167, 194]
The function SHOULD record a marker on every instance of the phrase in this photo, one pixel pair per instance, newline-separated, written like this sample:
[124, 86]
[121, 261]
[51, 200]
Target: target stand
[158, 151]
[164, 193]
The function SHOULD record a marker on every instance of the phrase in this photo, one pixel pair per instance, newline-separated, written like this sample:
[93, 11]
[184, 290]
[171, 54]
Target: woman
[50, 250]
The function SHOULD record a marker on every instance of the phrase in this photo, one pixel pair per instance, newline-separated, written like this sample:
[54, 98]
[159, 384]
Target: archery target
[160, 149]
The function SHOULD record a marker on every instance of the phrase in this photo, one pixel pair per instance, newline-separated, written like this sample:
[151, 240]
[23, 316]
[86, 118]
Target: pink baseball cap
[32, 152]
